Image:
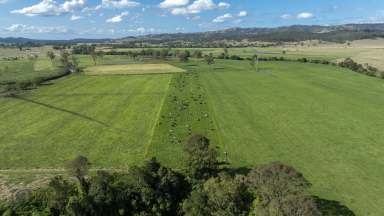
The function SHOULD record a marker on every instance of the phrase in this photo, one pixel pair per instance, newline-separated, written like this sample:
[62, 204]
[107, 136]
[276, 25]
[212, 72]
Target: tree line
[348, 63]
[206, 187]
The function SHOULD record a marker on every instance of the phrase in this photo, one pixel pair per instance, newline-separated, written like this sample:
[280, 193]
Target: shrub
[202, 160]
[183, 56]
[235, 57]
[209, 59]
[278, 188]
[304, 60]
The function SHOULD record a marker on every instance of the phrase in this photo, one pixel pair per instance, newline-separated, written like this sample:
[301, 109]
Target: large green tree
[277, 186]
[79, 168]
[219, 196]
[202, 159]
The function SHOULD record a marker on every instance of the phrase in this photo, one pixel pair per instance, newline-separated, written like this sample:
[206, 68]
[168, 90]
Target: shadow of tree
[332, 208]
[218, 68]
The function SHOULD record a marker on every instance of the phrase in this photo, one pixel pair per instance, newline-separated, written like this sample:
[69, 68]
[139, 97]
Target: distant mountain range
[337, 33]
[21, 40]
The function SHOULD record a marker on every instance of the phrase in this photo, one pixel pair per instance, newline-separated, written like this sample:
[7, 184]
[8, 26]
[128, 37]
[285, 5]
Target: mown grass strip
[132, 69]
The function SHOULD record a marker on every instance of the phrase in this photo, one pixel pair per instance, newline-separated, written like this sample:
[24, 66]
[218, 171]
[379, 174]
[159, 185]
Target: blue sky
[65, 19]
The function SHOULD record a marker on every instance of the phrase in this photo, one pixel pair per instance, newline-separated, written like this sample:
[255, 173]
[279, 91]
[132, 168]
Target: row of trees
[190, 44]
[158, 53]
[347, 63]
[204, 188]
[88, 50]
[184, 56]
[359, 68]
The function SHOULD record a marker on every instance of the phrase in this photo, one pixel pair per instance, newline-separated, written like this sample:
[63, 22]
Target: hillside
[22, 40]
[338, 33]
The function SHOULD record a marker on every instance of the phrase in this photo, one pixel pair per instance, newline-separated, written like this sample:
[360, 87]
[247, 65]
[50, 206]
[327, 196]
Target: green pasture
[325, 121]
[107, 118]
[87, 61]
[25, 70]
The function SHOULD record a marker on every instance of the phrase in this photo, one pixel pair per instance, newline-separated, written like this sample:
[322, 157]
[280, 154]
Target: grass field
[24, 69]
[129, 69]
[363, 51]
[322, 120]
[109, 119]
[325, 121]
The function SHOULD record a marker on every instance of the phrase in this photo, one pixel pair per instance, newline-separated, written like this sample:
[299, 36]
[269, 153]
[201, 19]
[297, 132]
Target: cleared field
[26, 51]
[373, 57]
[129, 69]
[325, 121]
[108, 119]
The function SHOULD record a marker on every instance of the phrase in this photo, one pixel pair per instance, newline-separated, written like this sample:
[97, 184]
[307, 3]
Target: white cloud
[117, 18]
[173, 3]
[142, 30]
[238, 21]
[118, 4]
[179, 11]
[222, 18]
[74, 17]
[87, 10]
[200, 5]
[224, 5]
[243, 14]
[20, 28]
[286, 16]
[196, 7]
[69, 6]
[51, 8]
[304, 15]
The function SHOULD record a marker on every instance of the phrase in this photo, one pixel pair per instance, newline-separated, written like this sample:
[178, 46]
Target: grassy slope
[107, 119]
[326, 122]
